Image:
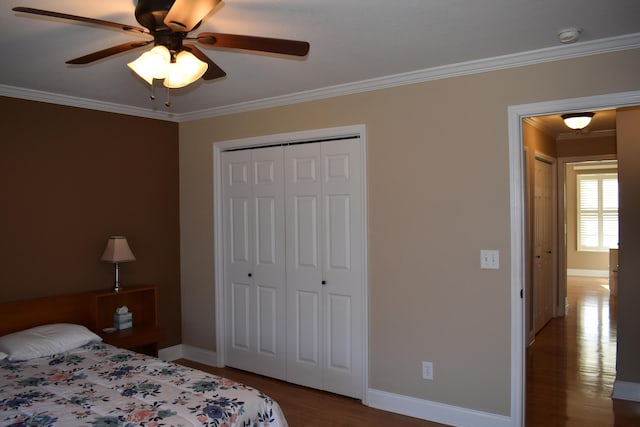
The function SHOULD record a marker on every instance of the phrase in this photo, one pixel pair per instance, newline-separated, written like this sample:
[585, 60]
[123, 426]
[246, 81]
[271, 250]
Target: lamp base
[116, 285]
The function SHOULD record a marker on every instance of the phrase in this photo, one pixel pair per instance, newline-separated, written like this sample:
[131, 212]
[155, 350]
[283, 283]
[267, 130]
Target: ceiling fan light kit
[169, 22]
[176, 71]
[185, 70]
[153, 64]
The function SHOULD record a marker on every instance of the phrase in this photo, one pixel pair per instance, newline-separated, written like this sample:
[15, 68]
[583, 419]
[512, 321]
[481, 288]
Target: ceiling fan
[169, 22]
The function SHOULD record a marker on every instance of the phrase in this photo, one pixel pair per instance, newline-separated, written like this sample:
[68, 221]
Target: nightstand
[145, 334]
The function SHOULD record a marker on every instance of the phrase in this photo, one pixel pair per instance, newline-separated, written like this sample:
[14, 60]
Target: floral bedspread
[101, 385]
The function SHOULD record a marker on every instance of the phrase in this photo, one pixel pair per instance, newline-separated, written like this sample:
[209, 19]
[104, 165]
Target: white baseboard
[587, 273]
[200, 355]
[626, 391]
[185, 351]
[434, 411]
[397, 403]
[170, 353]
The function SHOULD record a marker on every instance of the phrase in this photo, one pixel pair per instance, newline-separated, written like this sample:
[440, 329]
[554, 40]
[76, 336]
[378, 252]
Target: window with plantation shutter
[597, 211]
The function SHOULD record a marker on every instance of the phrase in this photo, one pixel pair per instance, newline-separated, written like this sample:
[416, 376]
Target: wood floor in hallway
[571, 364]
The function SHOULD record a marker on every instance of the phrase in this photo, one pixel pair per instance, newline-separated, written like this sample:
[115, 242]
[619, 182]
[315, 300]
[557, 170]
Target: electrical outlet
[427, 370]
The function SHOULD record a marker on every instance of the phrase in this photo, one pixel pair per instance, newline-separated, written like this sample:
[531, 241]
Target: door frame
[515, 115]
[284, 138]
[562, 220]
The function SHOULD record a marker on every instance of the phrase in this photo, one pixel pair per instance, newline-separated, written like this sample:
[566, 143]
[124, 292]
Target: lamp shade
[117, 250]
[577, 121]
[153, 64]
[185, 70]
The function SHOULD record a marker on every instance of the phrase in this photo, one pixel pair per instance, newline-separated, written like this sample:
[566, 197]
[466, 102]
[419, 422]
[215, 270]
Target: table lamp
[117, 251]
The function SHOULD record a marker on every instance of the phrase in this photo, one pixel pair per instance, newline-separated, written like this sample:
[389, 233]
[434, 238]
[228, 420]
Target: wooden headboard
[23, 314]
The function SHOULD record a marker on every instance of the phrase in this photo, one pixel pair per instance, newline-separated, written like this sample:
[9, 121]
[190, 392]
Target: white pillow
[3, 355]
[45, 340]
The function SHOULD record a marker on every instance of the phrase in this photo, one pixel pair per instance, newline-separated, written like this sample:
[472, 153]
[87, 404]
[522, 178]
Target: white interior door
[543, 283]
[253, 218]
[324, 269]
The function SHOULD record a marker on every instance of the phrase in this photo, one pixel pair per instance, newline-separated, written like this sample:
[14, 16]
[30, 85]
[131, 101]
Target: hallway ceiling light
[577, 121]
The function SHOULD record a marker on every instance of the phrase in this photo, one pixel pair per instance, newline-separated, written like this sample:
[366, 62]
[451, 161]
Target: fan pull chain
[153, 92]
[168, 101]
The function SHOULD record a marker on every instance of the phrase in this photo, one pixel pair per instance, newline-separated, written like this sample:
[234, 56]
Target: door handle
[249, 274]
[324, 282]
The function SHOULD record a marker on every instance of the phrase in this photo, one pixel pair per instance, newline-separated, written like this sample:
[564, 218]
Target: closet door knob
[249, 275]
[324, 282]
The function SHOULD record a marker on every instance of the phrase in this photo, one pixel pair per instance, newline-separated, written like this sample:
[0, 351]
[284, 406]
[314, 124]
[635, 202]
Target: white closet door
[304, 271]
[324, 266]
[253, 218]
[342, 266]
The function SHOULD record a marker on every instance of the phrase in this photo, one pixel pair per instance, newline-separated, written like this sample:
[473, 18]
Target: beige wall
[590, 146]
[438, 192]
[628, 133]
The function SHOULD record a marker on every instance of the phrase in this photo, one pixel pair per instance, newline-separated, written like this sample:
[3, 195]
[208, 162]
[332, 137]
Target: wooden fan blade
[184, 15]
[107, 52]
[213, 72]
[261, 44]
[93, 21]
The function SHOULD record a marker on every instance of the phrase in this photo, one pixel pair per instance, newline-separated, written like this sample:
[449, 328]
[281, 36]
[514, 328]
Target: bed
[56, 372]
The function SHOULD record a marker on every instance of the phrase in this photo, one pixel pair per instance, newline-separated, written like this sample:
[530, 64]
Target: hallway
[571, 365]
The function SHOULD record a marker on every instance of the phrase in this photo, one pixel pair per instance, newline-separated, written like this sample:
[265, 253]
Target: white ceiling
[355, 45]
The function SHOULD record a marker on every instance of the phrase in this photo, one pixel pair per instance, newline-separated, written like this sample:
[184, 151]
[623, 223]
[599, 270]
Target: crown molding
[539, 124]
[568, 136]
[565, 136]
[556, 53]
[91, 104]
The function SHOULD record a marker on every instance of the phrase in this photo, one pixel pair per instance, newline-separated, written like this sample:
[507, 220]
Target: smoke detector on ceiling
[569, 35]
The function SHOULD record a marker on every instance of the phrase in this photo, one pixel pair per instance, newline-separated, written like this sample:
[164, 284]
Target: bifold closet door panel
[254, 279]
[324, 262]
[342, 267]
[304, 270]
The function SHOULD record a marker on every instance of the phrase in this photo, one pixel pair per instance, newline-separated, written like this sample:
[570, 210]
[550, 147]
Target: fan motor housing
[151, 13]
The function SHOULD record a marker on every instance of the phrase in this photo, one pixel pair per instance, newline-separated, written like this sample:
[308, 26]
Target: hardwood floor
[305, 407]
[571, 364]
[570, 374]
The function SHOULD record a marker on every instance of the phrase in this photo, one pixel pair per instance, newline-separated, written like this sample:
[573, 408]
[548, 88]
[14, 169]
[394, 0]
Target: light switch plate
[490, 259]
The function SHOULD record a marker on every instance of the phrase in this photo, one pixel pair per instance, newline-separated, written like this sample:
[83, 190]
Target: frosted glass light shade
[577, 121]
[185, 70]
[153, 64]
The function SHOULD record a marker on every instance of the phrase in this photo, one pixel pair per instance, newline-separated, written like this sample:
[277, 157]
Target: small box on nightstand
[122, 320]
